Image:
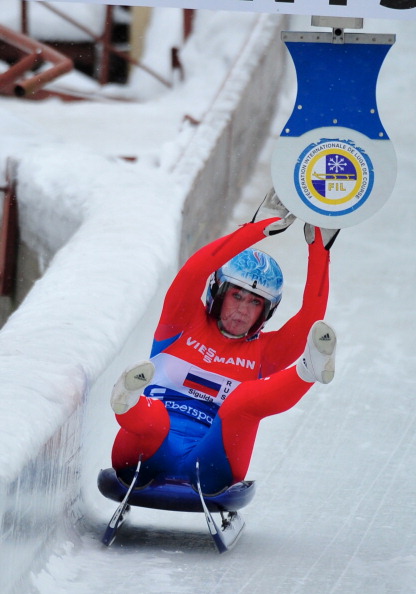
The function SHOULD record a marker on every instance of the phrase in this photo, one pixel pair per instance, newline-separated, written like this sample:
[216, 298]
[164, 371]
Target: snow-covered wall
[230, 136]
[40, 504]
[78, 316]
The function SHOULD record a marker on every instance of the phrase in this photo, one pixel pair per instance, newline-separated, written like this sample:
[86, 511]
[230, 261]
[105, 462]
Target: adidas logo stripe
[325, 337]
[140, 376]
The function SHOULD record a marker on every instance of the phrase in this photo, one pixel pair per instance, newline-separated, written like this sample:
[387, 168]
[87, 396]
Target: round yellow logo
[333, 177]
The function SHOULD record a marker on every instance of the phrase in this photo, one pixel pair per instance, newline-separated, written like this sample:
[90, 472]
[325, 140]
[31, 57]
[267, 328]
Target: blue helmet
[254, 271]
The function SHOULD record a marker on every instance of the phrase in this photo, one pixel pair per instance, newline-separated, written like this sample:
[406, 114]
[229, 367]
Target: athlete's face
[240, 310]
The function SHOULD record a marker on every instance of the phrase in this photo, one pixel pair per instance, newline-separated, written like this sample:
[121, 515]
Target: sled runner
[174, 495]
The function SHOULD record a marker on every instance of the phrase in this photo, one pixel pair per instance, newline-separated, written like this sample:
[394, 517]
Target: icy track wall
[79, 315]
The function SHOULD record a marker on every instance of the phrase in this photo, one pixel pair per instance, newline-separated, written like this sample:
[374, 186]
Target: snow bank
[107, 233]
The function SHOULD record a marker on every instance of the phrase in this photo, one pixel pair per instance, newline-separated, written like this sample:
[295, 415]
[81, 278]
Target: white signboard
[384, 9]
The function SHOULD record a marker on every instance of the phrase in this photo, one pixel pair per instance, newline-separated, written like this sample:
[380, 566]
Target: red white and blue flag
[198, 380]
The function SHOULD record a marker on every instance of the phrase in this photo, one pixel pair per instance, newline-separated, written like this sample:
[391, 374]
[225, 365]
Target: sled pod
[174, 495]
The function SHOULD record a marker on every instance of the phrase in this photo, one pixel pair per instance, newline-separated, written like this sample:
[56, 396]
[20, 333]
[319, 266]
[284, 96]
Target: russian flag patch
[202, 383]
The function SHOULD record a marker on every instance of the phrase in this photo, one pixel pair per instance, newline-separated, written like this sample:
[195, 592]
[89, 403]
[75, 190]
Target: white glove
[328, 235]
[273, 207]
[279, 226]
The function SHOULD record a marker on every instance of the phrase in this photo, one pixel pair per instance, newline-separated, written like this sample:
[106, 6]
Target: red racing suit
[210, 391]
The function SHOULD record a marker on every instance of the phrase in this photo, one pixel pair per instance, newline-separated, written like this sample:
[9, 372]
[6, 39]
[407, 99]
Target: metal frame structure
[34, 53]
[104, 40]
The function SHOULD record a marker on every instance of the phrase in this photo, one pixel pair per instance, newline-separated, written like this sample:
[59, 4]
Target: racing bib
[176, 376]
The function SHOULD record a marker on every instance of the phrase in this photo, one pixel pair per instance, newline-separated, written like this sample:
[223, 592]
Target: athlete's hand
[273, 207]
[328, 235]
[279, 226]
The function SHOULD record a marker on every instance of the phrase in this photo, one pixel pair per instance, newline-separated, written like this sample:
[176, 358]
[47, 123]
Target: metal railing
[104, 40]
[9, 232]
[36, 54]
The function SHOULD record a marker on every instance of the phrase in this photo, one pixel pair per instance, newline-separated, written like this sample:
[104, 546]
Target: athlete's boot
[129, 386]
[317, 364]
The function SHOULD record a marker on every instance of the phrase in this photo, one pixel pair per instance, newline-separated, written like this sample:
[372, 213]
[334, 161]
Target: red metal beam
[9, 233]
[60, 63]
[104, 70]
[188, 21]
[109, 47]
[24, 20]
[18, 69]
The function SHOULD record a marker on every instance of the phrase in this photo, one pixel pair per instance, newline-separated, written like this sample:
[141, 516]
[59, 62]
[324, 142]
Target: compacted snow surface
[336, 490]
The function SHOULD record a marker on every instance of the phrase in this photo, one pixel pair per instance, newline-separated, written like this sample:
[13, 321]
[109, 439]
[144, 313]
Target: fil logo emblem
[334, 177]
